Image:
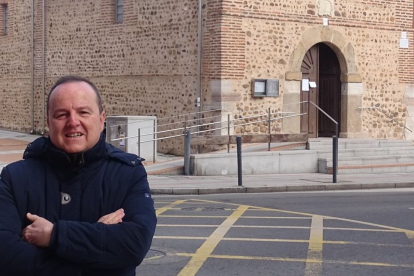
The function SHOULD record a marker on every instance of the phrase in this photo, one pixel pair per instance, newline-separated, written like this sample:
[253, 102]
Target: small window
[4, 14]
[119, 11]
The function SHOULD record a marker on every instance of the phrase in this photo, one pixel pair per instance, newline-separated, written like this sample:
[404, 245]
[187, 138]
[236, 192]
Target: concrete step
[374, 169]
[314, 144]
[367, 152]
[369, 164]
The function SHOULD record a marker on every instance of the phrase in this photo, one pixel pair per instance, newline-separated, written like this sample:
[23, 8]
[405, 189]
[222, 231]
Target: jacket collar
[65, 163]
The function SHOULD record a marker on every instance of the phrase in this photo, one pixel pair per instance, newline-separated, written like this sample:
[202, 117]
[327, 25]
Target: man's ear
[102, 119]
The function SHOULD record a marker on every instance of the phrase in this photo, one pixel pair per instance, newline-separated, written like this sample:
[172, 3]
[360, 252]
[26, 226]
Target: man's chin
[74, 148]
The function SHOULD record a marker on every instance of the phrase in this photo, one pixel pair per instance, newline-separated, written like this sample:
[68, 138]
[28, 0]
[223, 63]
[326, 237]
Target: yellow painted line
[287, 241]
[230, 257]
[363, 230]
[234, 226]
[205, 250]
[314, 258]
[287, 227]
[410, 236]
[367, 243]
[189, 216]
[180, 238]
[168, 207]
[257, 217]
[308, 214]
[198, 209]
[187, 225]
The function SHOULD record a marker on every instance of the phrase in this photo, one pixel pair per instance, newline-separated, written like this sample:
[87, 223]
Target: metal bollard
[335, 158]
[239, 161]
[187, 152]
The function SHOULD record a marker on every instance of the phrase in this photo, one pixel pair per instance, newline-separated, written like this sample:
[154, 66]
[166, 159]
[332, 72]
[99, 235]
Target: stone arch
[344, 51]
[351, 81]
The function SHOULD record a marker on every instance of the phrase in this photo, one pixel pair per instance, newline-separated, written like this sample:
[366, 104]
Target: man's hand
[113, 218]
[38, 233]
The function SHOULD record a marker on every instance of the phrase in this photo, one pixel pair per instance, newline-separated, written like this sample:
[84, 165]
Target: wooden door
[329, 91]
[310, 71]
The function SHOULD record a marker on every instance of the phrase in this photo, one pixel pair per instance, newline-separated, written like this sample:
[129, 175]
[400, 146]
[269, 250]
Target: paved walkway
[12, 145]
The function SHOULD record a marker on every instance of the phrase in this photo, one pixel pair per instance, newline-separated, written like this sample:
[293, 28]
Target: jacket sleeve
[18, 257]
[98, 245]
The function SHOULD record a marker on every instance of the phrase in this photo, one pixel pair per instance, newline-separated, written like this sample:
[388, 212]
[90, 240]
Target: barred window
[119, 11]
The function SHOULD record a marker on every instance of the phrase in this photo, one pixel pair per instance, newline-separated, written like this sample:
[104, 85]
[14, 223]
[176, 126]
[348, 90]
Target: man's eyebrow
[87, 107]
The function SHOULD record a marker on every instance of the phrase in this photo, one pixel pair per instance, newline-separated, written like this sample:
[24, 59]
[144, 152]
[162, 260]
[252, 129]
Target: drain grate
[154, 254]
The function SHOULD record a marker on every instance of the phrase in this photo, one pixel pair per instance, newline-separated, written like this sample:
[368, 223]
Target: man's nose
[73, 120]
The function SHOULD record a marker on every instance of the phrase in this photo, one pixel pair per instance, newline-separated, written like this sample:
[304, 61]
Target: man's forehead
[73, 86]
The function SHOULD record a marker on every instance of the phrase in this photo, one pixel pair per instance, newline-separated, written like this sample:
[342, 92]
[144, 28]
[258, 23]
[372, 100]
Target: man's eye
[60, 115]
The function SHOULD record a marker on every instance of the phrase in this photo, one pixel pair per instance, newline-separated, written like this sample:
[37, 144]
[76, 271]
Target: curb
[266, 189]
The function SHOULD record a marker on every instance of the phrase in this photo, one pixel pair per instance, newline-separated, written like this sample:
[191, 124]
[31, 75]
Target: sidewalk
[12, 145]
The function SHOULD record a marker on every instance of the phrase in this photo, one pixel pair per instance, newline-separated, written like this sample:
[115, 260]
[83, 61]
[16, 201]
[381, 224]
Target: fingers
[31, 217]
[113, 218]
[38, 232]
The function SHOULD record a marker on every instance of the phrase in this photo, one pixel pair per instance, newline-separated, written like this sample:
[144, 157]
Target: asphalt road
[316, 233]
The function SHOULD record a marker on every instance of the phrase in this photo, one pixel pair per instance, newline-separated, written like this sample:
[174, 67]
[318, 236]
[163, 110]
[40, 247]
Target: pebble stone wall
[147, 65]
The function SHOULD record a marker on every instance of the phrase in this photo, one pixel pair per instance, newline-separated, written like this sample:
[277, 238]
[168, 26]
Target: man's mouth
[74, 135]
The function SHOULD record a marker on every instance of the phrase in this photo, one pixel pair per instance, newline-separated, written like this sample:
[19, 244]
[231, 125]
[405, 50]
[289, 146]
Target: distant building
[348, 57]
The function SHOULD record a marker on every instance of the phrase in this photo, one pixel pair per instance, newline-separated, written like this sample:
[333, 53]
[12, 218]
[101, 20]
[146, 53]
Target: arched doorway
[321, 84]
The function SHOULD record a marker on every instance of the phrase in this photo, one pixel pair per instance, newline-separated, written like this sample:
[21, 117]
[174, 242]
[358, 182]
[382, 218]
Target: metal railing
[334, 144]
[187, 125]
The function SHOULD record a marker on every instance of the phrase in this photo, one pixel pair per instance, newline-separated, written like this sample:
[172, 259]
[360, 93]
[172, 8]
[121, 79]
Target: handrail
[209, 124]
[334, 144]
[327, 115]
[388, 116]
[177, 116]
[164, 131]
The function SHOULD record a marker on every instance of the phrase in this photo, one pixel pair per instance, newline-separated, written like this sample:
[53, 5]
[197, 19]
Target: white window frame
[119, 11]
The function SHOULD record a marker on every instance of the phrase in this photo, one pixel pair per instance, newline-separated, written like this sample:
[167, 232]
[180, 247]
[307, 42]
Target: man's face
[74, 121]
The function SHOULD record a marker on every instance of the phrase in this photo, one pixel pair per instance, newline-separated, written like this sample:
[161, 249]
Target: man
[75, 205]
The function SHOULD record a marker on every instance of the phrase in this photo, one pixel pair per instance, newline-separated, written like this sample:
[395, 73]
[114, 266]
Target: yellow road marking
[189, 216]
[311, 215]
[286, 241]
[298, 260]
[234, 226]
[314, 259]
[410, 236]
[250, 217]
[180, 238]
[364, 230]
[205, 250]
[166, 208]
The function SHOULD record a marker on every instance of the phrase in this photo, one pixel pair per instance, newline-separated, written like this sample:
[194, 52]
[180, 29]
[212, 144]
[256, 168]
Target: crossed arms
[118, 240]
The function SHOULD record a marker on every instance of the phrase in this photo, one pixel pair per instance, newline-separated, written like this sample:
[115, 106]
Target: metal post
[185, 123]
[335, 158]
[139, 142]
[239, 161]
[268, 126]
[228, 132]
[154, 144]
[187, 151]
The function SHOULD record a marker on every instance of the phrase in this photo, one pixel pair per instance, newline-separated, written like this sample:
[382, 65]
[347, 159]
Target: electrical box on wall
[265, 88]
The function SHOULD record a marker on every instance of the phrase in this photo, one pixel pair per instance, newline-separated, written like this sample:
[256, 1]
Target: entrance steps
[355, 156]
[365, 156]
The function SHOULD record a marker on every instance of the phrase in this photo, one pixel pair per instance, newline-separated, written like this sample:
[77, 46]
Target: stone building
[354, 59]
